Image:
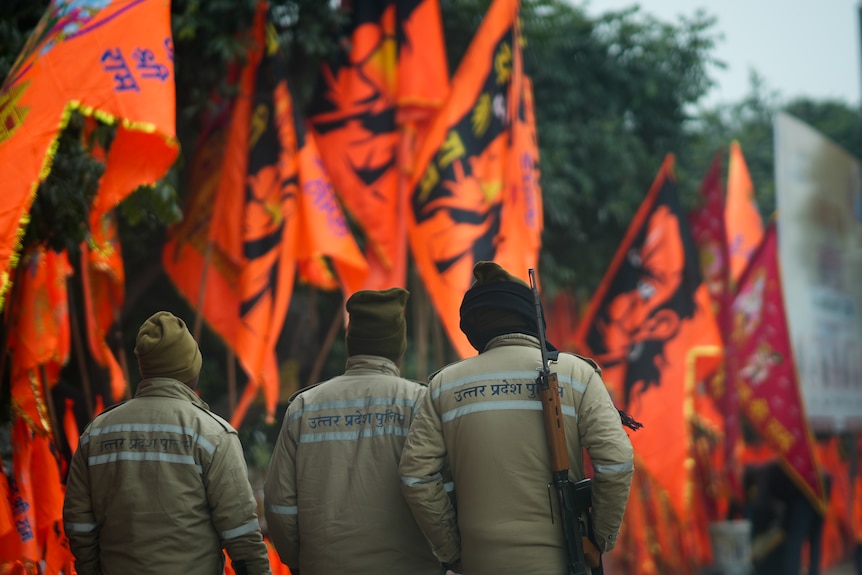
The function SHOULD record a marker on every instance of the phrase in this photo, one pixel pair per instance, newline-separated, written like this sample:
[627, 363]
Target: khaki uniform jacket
[332, 497]
[483, 415]
[159, 485]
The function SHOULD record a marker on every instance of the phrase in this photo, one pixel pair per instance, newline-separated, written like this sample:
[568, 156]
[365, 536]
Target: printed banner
[819, 195]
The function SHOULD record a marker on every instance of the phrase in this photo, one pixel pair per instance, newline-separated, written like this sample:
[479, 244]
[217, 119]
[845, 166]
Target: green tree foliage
[750, 123]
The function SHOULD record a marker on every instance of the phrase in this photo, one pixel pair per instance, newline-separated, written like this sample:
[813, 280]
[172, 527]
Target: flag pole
[420, 327]
[11, 301]
[199, 315]
[121, 350]
[49, 402]
[79, 349]
[327, 346]
[231, 380]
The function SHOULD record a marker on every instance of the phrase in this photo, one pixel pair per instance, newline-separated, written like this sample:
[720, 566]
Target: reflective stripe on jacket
[159, 485]
[333, 500]
[483, 416]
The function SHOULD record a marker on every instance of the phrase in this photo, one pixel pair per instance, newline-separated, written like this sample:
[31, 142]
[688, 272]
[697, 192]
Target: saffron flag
[287, 169]
[103, 58]
[70, 426]
[260, 203]
[22, 543]
[38, 333]
[371, 111]
[743, 222]
[204, 255]
[651, 328]
[474, 195]
[761, 365]
[103, 279]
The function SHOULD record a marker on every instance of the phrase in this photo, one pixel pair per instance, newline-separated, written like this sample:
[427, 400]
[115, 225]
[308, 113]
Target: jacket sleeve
[233, 508]
[611, 453]
[423, 462]
[78, 519]
[279, 494]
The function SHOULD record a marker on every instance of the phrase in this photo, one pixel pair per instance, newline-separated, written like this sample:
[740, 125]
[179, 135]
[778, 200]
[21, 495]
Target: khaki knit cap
[165, 348]
[490, 272]
[377, 325]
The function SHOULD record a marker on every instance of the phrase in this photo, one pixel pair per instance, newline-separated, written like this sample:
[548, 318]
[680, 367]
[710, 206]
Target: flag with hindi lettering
[742, 219]
[651, 328]
[38, 332]
[112, 59]
[373, 103]
[761, 365]
[475, 195]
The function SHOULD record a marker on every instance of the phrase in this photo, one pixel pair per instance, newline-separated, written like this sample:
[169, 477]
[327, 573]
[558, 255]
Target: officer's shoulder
[105, 411]
[583, 359]
[296, 394]
[223, 423]
[444, 368]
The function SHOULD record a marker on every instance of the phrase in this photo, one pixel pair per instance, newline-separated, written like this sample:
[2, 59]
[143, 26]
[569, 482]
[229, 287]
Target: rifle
[573, 499]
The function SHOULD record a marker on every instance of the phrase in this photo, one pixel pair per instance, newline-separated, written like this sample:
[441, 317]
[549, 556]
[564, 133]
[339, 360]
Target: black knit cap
[497, 303]
[377, 325]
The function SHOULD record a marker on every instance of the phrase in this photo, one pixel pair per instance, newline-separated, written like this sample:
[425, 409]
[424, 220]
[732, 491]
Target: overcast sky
[800, 47]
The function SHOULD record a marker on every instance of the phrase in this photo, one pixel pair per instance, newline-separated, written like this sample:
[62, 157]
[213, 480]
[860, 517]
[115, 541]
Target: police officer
[159, 484]
[483, 417]
[332, 496]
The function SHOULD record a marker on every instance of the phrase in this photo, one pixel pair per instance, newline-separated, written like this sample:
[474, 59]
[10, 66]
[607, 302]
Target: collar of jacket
[167, 387]
[362, 363]
[513, 339]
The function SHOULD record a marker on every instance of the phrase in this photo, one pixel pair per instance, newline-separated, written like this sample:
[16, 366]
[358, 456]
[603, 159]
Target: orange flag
[743, 221]
[651, 328]
[475, 193]
[761, 365]
[111, 59]
[103, 279]
[288, 172]
[260, 202]
[373, 103]
[70, 426]
[38, 333]
[22, 543]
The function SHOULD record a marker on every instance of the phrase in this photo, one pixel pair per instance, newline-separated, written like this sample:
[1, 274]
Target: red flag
[743, 221]
[649, 324]
[710, 235]
[370, 114]
[761, 365]
[111, 59]
[476, 173]
[38, 333]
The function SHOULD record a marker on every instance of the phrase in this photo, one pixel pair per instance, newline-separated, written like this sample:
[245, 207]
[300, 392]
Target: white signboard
[819, 202]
